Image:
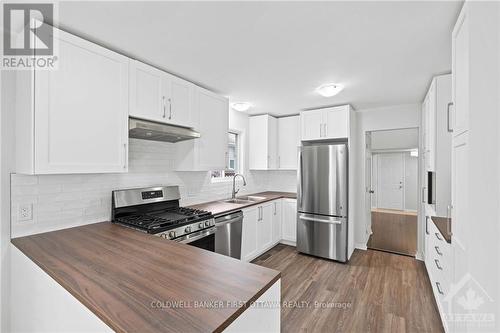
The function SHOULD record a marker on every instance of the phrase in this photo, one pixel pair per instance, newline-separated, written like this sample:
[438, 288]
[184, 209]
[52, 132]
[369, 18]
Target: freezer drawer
[322, 236]
[322, 180]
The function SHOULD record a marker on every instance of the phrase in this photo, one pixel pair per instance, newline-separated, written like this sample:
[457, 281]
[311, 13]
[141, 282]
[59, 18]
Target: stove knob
[207, 223]
[188, 229]
[171, 234]
[200, 225]
[164, 235]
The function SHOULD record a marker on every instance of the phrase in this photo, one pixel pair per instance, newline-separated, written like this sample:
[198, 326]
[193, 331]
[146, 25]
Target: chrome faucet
[234, 184]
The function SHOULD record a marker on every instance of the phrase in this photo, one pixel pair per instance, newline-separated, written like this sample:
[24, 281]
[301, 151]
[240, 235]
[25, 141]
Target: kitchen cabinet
[74, 119]
[209, 152]
[276, 221]
[159, 96]
[429, 127]
[289, 221]
[288, 142]
[265, 226]
[325, 124]
[460, 70]
[249, 233]
[263, 142]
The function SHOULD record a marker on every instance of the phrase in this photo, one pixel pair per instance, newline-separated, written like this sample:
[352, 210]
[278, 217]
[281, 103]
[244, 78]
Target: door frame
[420, 173]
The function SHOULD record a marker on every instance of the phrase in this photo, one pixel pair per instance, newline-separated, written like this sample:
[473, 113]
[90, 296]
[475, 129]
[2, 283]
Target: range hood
[150, 130]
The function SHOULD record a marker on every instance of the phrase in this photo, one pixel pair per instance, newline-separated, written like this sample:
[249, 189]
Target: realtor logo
[36, 35]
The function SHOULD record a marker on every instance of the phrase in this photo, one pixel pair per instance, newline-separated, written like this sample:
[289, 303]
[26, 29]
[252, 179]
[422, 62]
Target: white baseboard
[287, 242]
[419, 256]
[361, 246]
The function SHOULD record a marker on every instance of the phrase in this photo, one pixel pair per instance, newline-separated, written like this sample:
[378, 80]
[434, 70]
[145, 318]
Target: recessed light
[329, 89]
[241, 106]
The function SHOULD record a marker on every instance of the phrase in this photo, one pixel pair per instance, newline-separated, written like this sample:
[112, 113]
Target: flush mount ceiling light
[241, 106]
[329, 89]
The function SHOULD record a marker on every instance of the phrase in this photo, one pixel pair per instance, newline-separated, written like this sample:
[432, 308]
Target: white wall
[395, 139]
[383, 118]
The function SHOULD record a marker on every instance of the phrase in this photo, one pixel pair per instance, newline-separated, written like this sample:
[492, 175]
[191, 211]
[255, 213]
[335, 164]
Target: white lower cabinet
[289, 221]
[263, 226]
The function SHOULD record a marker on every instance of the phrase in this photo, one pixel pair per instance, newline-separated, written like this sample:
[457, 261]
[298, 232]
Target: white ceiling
[274, 54]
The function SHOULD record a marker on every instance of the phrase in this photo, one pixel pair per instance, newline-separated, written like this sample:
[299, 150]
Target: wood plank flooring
[375, 292]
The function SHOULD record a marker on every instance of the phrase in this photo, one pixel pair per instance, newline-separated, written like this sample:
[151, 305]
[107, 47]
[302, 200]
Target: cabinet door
[179, 112]
[264, 227]
[272, 142]
[249, 233]
[213, 126]
[311, 124]
[289, 220]
[288, 142]
[149, 92]
[460, 70]
[336, 122]
[276, 205]
[81, 110]
[258, 142]
[430, 136]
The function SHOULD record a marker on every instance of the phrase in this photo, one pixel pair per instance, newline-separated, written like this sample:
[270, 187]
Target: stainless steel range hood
[150, 130]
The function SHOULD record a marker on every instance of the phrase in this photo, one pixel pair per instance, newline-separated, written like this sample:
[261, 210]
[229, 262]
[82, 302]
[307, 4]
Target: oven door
[204, 239]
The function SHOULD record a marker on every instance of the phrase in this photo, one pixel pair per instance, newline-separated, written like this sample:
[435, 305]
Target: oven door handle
[195, 236]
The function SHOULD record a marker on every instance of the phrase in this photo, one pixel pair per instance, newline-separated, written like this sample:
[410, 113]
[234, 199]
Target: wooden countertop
[122, 275]
[220, 207]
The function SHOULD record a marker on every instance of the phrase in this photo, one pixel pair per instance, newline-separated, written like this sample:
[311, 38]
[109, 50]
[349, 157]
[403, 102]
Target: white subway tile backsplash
[63, 201]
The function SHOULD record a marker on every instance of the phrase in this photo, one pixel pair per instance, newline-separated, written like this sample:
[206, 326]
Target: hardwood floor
[375, 292]
[394, 231]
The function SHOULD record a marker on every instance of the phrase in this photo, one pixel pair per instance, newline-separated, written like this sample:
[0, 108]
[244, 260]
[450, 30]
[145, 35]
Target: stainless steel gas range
[155, 210]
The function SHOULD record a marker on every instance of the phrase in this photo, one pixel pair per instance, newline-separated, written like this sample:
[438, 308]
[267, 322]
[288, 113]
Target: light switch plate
[25, 212]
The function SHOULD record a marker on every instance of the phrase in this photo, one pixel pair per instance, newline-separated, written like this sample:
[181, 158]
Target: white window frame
[239, 158]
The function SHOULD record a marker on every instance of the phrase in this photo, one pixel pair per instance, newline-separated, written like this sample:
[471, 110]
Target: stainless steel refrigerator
[322, 217]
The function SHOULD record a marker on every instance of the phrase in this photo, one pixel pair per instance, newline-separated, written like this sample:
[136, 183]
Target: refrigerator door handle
[331, 220]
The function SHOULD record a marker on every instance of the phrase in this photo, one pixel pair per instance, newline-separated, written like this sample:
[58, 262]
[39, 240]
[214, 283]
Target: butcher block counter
[221, 207]
[130, 280]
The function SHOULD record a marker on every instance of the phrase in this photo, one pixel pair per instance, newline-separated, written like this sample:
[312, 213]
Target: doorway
[392, 190]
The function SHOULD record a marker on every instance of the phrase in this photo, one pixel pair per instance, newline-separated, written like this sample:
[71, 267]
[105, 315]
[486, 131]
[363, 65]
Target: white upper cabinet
[429, 125]
[74, 119]
[460, 70]
[263, 143]
[158, 96]
[288, 142]
[210, 114]
[325, 124]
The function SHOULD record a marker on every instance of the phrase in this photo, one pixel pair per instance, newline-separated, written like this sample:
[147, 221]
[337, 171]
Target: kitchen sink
[244, 200]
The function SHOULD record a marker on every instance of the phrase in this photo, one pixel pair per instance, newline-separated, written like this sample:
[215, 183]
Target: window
[233, 158]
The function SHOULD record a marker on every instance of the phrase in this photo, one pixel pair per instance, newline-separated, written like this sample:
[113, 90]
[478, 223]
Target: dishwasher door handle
[224, 222]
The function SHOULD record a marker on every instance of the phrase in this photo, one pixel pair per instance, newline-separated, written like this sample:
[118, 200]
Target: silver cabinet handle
[125, 156]
[438, 285]
[448, 125]
[164, 107]
[438, 236]
[423, 195]
[427, 225]
[170, 108]
[279, 162]
[438, 265]
[438, 251]
[275, 208]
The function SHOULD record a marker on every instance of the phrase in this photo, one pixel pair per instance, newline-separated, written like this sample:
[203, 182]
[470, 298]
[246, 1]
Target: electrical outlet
[25, 212]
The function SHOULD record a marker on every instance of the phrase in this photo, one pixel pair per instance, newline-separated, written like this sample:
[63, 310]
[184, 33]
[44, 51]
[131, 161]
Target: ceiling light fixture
[329, 89]
[241, 106]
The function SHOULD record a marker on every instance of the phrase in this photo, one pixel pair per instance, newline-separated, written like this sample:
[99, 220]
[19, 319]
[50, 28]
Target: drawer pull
[438, 236]
[438, 265]
[438, 285]
[438, 251]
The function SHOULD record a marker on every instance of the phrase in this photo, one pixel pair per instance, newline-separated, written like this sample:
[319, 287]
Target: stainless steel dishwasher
[228, 234]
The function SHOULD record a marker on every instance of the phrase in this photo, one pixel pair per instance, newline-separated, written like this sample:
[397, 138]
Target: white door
[431, 129]
[81, 110]
[272, 142]
[311, 124]
[460, 70]
[289, 220]
[213, 127]
[390, 180]
[288, 142]
[264, 227]
[336, 122]
[368, 184]
[149, 92]
[276, 221]
[180, 104]
[249, 233]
